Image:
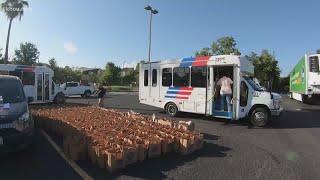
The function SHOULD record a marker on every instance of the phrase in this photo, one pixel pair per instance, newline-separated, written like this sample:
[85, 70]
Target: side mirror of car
[30, 99]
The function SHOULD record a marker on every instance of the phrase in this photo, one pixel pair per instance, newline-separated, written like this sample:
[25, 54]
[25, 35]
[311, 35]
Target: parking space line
[74, 166]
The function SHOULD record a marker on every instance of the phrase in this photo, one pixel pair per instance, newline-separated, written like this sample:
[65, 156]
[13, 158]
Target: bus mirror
[30, 99]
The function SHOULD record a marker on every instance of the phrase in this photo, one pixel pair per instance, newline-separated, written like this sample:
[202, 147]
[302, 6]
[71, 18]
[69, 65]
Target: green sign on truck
[305, 79]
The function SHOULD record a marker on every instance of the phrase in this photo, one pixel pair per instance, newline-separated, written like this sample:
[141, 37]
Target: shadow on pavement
[155, 168]
[298, 119]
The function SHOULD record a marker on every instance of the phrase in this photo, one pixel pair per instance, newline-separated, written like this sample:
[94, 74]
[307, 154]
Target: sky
[91, 33]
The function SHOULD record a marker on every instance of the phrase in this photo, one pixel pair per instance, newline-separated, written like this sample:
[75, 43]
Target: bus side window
[15, 73]
[28, 78]
[243, 94]
[146, 77]
[181, 76]
[198, 76]
[154, 77]
[166, 77]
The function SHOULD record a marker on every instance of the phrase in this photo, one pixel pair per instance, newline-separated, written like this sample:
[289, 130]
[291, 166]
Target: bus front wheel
[171, 109]
[260, 117]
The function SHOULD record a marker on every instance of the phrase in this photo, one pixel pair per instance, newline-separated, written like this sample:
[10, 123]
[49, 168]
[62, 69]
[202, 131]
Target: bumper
[14, 140]
[277, 112]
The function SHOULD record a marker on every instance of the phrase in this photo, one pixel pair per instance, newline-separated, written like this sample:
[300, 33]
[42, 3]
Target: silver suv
[16, 123]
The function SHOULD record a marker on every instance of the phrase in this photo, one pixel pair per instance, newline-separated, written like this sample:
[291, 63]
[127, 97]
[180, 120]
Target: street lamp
[152, 11]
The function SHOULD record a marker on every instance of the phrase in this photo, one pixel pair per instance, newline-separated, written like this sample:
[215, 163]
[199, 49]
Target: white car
[75, 88]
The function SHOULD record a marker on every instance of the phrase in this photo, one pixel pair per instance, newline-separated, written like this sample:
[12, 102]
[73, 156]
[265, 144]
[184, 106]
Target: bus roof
[222, 60]
[24, 68]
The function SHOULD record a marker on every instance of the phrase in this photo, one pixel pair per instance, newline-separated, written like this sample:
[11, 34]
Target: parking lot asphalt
[40, 161]
[286, 149]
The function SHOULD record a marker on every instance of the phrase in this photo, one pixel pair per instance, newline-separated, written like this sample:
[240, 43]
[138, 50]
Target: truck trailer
[305, 79]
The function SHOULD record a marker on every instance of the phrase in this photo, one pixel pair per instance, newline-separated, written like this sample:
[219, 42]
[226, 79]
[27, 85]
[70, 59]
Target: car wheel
[87, 94]
[172, 109]
[260, 117]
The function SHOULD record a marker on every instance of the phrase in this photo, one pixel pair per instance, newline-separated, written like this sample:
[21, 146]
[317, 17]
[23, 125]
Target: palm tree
[12, 9]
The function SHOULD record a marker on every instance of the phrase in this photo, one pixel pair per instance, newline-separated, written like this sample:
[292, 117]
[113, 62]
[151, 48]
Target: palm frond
[25, 3]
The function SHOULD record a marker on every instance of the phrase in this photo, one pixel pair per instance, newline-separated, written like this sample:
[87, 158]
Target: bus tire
[260, 117]
[172, 109]
[306, 99]
[87, 94]
[60, 98]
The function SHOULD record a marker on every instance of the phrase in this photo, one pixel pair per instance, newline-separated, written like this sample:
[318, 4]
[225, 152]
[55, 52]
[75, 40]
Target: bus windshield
[11, 91]
[253, 84]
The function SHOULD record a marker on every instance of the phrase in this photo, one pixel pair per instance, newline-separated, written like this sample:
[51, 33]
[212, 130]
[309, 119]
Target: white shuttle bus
[189, 85]
[37, 82]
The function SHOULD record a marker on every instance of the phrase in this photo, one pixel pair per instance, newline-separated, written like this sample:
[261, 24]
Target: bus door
[144, 86]
[221, 104]
[199, 82]
[43, 87]
[28, 81]
[155, 84]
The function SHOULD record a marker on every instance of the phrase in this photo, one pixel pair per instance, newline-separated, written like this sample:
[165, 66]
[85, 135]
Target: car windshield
[11, 91]
[253, 84]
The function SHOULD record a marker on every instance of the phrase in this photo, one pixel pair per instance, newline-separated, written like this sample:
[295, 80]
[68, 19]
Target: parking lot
[286, 149]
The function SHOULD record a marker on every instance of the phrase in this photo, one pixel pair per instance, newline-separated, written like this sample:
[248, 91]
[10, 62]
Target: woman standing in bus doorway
[101, 95]
[225, 92]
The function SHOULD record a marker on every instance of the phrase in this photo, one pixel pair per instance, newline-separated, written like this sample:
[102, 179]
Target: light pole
[152, 11]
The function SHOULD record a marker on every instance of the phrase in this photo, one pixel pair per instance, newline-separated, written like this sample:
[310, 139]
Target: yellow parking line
[74, 166]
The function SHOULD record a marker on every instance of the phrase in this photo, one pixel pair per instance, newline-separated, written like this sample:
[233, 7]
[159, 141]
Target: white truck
[305, 79]
[76, 88]
[190, 85]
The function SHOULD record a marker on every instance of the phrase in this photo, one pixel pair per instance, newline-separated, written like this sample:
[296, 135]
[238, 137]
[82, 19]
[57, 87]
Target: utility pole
[152, 11]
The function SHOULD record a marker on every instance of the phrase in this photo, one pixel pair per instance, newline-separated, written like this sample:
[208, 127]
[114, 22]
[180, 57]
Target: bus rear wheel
[260, 117]
[59, 99]
[171, 109]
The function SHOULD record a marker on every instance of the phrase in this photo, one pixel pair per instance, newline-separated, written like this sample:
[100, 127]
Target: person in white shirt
[225, 92]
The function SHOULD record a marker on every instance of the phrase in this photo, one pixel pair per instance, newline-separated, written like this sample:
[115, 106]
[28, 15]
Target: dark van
[16, 123]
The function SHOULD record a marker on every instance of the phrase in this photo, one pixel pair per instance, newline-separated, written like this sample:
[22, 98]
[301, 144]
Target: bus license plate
[1, 141]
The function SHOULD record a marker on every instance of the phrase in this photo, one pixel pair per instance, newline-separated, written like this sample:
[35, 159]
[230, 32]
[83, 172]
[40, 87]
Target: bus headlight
[276, 104]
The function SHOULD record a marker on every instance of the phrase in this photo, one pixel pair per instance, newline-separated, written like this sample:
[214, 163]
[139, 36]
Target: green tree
[70, 75]
[225, 46]
[27, 54]
[204, 52]
[266, 68]
[12, 9]
[284, 84]
[53, 63]
[318, 51]
[129, 78]
[111, 75]
[59, 76]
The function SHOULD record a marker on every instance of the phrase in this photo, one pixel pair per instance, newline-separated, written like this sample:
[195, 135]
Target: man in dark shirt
[101, 94]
